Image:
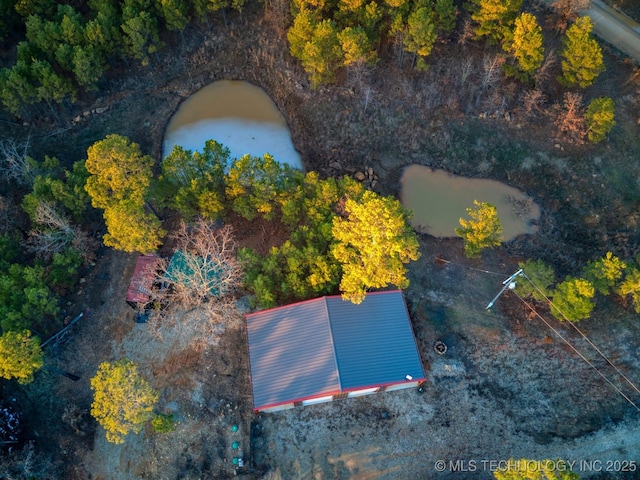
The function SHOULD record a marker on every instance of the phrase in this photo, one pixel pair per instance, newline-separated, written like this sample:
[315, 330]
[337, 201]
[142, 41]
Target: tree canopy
[573, 299]
[582, 59]
[482, 231]
[118, 172]
[525, 44]
[131, 229]
[325, 36]
[20, 356]
[302, 266]
[258, 185]
[421, 34]
[69, 48]
[26, 298]
[123, 401]
[493, 18]
[315, 42]
[630, 286]
[373, 242]
[119, 183]
[193, 182]
[600, 118]
[605, 272]
[540, 279]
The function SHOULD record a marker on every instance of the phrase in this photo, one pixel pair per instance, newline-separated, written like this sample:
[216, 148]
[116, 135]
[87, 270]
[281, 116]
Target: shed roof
[327, 346]
[142, 279]
[183, 265]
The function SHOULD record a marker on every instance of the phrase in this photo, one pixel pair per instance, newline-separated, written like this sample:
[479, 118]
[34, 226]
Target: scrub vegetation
[511, 90]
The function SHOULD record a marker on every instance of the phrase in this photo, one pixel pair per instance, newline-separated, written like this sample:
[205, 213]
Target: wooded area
[58, 214]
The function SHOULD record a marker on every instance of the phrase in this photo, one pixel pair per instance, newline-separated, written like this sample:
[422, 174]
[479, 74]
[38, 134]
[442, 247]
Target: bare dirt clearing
[207, 391]
[505, 388]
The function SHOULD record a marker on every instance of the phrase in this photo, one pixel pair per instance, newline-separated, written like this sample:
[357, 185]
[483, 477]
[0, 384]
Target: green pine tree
[582, 55]
[600, 118]
[525, 44]
[420, 35]
[493, 18]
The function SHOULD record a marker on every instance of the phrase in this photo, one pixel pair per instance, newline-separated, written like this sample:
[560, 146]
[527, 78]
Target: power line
[581, 333]
[509, 283]
[577, 351]
[440, 259]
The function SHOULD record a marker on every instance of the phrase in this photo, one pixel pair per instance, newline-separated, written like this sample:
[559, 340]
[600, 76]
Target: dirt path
[616, 28]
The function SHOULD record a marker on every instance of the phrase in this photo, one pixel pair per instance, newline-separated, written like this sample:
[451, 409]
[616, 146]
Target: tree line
[38, 265]
[326, 35]
[68, 49]
[574, 298]
[327, 220]
[571, 299]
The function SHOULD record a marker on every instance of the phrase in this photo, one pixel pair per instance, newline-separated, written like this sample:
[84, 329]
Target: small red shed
[142, 280]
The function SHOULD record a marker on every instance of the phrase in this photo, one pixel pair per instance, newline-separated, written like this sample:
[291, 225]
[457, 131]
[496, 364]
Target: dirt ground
[506, 387]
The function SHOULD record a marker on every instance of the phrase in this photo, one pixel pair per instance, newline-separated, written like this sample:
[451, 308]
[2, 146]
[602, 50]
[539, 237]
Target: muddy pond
[439, 199]
[238, 115]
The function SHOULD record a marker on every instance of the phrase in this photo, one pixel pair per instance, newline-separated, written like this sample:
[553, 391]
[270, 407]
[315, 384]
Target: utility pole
[509, 283]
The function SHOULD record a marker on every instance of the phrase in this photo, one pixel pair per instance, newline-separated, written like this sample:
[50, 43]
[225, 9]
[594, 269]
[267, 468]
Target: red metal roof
[326, 346]
[142, 279]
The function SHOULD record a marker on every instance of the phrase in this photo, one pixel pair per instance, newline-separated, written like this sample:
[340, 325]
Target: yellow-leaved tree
[482, 231]
[373, 244]
[132, 229]
[123, 401]
[120, 176]
[582, 59]
[119, 171]
[525, 469]
[20, 356]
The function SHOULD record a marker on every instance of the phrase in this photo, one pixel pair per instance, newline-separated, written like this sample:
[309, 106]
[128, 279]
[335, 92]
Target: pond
[238, 115]
[439, 199]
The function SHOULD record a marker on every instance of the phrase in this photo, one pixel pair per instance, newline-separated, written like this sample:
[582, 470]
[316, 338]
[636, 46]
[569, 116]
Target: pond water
[439, 199]
[238, 115]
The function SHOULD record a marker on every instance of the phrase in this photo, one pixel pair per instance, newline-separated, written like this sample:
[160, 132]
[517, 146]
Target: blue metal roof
[327, 345]
[374, 342]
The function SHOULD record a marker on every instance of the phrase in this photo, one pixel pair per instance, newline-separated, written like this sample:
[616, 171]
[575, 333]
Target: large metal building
[326, 348]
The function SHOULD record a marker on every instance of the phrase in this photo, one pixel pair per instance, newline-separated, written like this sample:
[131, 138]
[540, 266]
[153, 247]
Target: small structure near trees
[203, 268]
[194, 289]
[142, 280]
